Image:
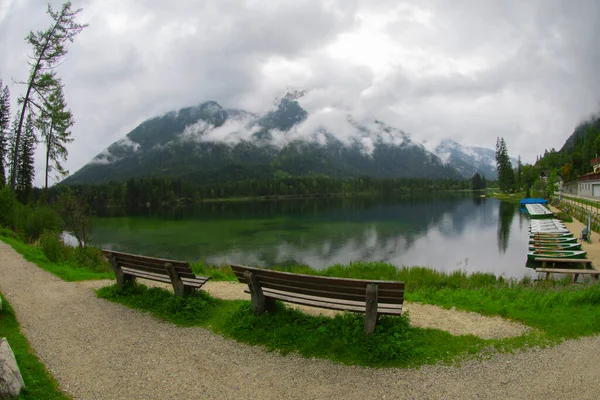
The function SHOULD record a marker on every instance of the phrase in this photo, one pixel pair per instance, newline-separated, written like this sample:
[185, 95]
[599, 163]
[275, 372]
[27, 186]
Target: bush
[6, 206]
[32, 222]
[563, 216]
[52, 246]
[88, 257]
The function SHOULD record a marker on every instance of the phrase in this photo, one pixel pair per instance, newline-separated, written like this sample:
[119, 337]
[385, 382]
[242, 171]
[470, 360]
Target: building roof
[595, 161]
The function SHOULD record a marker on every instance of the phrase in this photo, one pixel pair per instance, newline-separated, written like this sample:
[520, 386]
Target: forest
[163, 191]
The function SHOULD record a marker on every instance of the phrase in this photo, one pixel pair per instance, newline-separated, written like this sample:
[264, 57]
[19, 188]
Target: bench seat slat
[197, 281]
[324, 289]
[147, 275]
[315, 302]
[157, 270]
[239, 272]
[324, 293]
[130, 261]
[359, 304]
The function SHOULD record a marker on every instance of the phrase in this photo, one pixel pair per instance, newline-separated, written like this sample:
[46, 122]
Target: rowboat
[535, 231]
[546, 224]
[551, 235]
[555, 246]
[552, 240]
[568, 254]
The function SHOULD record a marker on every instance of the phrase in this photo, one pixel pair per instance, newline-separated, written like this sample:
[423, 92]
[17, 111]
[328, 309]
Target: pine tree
[54, 125]
[504, 166]
[476, 181]
[519, 174]
[25, 168]
[4, 130]
[49, 47]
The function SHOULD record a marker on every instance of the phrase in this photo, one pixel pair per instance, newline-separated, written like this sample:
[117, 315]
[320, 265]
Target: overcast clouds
[467, 70]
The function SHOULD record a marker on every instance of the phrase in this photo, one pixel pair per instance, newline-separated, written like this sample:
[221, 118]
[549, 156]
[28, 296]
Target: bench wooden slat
[152, 260]
[323, 293]
[179, 267]
[153, 269]
[325, 289]
[330, 305]
[147, 275]
[391, 285]
[335, 304]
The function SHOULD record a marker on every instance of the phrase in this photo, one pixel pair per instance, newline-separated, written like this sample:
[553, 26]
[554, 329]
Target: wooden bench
[178, 273]
[575, 272]
[364, 296]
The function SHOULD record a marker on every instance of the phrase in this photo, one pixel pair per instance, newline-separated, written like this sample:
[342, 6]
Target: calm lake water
[445, 232]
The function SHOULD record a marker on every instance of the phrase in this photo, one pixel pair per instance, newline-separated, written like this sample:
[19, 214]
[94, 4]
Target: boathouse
[589, 184]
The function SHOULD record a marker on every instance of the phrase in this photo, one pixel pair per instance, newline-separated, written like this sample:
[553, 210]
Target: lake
[441, 231]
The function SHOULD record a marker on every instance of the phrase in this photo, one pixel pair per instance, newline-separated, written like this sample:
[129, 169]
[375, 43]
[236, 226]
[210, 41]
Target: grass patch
[394, 344]
[510, 197]
[75, 268]
[216, 272]
[563, 216]
[39, 384]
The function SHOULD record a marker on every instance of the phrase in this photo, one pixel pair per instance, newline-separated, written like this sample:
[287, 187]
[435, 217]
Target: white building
[589, 184]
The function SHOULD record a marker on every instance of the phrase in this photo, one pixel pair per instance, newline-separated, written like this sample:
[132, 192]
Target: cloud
[468, 70]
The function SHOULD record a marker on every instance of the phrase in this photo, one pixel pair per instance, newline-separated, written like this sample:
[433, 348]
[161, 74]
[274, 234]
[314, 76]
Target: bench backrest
[388, 292]
[149, 264]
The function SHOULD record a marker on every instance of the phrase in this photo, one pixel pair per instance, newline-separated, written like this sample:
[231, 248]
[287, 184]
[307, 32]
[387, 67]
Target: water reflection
[444, 232]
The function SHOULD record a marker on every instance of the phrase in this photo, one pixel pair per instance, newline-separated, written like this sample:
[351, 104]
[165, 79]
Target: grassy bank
[70, 266]
[39, 384]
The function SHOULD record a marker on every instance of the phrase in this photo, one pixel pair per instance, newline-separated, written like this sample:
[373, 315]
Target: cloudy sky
[470, 70]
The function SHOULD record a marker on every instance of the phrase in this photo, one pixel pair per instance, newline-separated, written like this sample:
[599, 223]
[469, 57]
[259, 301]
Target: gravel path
[101, 350]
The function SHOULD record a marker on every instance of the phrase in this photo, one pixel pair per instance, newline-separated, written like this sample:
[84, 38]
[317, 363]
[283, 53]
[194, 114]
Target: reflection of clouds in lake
[473, 250]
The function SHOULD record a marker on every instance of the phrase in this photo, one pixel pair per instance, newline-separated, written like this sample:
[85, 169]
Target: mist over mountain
[207, 143]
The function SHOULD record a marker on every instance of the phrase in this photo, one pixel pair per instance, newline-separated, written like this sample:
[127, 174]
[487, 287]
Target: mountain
[207, 143]
[469, 159]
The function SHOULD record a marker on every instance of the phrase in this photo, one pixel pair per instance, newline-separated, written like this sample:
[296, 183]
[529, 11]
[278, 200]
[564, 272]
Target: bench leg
[178, 287]
[122, 279]
[260, 303]
[371, 314]
[575, 277]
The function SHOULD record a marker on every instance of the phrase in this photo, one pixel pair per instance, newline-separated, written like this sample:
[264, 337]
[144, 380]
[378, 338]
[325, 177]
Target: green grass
[66, 270]
[39, 384]
[341, 339]
[511, 197]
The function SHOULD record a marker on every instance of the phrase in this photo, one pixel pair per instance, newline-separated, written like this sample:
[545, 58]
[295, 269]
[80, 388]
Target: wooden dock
[566, 271]
[564, 260]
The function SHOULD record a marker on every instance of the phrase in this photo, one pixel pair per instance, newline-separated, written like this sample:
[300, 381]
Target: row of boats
[550, 238]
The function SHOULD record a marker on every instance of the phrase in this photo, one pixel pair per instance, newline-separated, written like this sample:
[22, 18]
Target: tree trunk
[48, 144]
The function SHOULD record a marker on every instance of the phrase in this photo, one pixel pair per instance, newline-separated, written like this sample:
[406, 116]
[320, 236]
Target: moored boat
[567, 254]
[555, 246]
[552, 240]
[550, 234]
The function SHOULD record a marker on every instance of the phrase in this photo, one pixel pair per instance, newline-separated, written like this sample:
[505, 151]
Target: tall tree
[54, 125]
[519, 174]
[476, 182]
[4, 127]
[504, 166]
[49, 47]
[25, 168]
